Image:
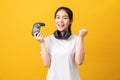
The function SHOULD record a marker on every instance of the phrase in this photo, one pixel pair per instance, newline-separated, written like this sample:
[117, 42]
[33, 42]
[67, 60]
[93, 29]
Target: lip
[61, 25]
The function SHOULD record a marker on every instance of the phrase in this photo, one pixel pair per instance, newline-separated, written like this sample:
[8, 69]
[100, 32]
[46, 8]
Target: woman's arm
[79, 56]
[45, 55]
[44, 52]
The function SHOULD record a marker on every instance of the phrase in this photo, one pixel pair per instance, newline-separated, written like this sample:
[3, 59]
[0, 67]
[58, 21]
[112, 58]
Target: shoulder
[50, 37]
[74, 37]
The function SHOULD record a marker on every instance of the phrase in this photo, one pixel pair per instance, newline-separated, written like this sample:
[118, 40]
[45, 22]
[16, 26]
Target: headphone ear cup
[67, 34]
[57, 34]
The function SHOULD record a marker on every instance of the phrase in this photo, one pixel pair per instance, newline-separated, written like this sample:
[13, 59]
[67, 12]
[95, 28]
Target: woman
[62, 51]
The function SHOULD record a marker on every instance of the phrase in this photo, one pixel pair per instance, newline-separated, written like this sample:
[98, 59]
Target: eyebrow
[63, 16]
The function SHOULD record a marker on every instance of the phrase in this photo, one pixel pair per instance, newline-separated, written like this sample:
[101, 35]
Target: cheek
[55, 21]
[67, 22]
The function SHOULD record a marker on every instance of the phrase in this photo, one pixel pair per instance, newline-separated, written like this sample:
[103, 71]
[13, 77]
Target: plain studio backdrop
[19, 51]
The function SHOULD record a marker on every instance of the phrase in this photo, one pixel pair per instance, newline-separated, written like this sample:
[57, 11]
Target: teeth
[61, 25]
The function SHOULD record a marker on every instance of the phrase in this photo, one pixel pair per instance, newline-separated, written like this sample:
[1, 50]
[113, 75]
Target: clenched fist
[83, 32]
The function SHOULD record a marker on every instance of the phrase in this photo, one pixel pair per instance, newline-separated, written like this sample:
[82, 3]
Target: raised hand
[82, 33]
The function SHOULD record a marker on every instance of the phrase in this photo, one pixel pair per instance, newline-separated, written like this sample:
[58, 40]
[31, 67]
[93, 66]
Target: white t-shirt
[62, 55]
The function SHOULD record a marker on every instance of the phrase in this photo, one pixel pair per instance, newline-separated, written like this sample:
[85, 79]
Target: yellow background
[19, 51]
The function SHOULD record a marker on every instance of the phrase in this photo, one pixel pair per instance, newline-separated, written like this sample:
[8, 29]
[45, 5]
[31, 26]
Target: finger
[38, 34]
[37, 37]
[84, 31]
[35, 34]
[41, 37]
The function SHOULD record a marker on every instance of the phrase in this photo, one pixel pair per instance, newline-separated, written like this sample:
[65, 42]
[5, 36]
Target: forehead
[61, 13]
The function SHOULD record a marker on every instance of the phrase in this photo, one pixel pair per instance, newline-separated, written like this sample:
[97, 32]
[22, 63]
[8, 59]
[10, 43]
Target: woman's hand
[39, 37]
[82, 33]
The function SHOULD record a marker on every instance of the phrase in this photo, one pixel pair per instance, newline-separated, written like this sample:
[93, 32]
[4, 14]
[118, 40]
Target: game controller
[36, 27]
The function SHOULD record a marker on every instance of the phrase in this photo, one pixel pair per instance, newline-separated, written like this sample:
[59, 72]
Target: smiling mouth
[61, 25]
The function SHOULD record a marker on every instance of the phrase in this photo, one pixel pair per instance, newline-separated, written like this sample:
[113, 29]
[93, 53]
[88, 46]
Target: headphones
[58, 34]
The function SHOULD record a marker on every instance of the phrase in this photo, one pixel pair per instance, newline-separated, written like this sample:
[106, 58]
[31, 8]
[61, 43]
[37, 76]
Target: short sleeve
[47, 44]
[76, 43]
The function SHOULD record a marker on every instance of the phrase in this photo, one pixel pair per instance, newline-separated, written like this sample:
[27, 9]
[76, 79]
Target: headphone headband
[58, 34]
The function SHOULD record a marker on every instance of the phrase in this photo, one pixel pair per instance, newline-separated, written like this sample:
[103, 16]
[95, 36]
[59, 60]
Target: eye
[57, 17]
[65, 18]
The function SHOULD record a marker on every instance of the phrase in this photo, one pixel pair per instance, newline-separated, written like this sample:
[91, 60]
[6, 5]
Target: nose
[61, 19]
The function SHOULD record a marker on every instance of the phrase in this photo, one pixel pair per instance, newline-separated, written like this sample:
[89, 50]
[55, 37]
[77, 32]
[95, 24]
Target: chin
[60, 29]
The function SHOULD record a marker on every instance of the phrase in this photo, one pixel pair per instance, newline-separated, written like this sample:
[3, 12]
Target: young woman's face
[62, 20]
